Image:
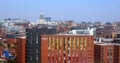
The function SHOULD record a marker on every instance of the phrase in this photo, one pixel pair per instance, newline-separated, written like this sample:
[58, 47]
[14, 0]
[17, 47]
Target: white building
[85, 31]
[43, 20]
[14, 29]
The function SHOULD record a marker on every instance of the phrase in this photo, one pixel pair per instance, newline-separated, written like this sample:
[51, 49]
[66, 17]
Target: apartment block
[116, 53]
[33, 43]
[67, 49]
[106, 53]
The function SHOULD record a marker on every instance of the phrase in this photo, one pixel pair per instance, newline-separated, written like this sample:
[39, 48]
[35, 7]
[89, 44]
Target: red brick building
[104, 31]
[21, 50]
[106, 53]
[11, 40]
[67, 49]
[1, 49]
[116, 53]
[116, 37]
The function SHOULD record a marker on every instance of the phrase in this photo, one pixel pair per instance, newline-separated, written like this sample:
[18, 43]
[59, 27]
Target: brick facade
[21, 50]
[107, 53]
[67, 49]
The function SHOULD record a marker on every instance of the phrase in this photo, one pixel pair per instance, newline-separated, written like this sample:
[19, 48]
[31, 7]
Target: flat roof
[72, 34]
[67, 35]
[22, 37]
[102, 43]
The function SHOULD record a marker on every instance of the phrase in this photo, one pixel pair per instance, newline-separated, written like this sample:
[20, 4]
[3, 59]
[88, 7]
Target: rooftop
[102, 43]
[22, 37]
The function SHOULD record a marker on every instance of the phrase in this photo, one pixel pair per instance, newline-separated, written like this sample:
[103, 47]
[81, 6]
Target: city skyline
[78, 10]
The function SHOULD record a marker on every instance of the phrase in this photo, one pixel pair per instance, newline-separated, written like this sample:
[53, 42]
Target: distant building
[48, 19]
[11, 35]
[70, 23]
[116, 26]
[11, 22]
[2, 31]
[14, 28]
[62, 28]
[115, 34]
[44, 20]
[83, 31]
[23, 24]
[10, 26]
[116, 37]
[104, 31]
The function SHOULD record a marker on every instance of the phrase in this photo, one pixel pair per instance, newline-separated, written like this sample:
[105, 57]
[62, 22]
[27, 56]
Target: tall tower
[33, 43]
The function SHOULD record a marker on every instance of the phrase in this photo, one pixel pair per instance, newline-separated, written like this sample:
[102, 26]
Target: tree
[8, 45]
[4, 46]
[0, 43]
[11, 61]
[100, 62]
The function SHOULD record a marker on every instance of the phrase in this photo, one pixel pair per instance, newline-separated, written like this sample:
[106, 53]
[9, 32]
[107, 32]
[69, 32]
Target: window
[61, 42]
[37, 51]
[73, 45]
[36, 58]
[36, 40]
[30, 58]
[49, 43]
[57, 43]
[66, 44]
[77, 42]
[53, 41]
[85, 42]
